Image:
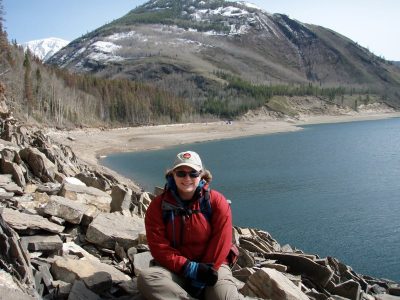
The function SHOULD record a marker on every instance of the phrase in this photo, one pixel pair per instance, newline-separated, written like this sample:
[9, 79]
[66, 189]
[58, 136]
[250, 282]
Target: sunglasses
[182, 174]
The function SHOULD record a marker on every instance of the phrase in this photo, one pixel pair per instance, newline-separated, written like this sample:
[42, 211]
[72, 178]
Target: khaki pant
[157, 283]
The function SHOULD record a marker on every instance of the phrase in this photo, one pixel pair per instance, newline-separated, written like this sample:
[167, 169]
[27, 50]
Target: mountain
[45, 48]
[193, 47]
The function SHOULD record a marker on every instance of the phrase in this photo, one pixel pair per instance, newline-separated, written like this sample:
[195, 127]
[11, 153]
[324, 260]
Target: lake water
[330, 189]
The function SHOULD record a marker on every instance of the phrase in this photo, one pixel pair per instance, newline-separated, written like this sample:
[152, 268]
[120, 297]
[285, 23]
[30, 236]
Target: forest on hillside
[43, 94]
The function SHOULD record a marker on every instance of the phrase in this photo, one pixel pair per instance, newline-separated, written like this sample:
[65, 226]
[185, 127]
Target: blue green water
[330, 189]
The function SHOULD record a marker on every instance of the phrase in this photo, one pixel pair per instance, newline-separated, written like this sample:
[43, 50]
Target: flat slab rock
[109, 228]
[87, 195]
[69, 210]
[22, 221]
[69, 269]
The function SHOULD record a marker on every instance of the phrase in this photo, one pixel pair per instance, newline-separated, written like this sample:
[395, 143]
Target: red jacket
[198, 240]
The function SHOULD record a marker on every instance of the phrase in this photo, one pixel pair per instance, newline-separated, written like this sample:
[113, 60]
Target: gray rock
[42, 242]
[243, 274]
[245, 259]
[278, 267]
[107, 229]
[12, 187]
[50, 188]
[299, 264]
[14, 293]
[63, 289]
[23, 222]
[95, 180]
[15, 170]
[40, 165]
[131, 253]
[14, 259]
[80, 292]
[349, 289]
[5, 179]
[143, 203]
[46, 276]
[87, 195]
[271, 284]
[5, 195]
[121, 198]
[98, 282]
[69, 210]
[69, 269]
[394, 290]
[287, 248]
[254, 245]
[57, 220]
[386, 297]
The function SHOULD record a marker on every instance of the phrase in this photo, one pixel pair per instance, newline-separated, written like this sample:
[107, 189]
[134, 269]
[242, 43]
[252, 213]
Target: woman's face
[186, 181]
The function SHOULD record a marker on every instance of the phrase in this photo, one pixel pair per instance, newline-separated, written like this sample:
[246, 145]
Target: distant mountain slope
[45, 48]
[184, 45]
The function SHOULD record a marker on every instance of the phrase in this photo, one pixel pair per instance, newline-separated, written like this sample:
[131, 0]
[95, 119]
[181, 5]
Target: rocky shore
[70, 230]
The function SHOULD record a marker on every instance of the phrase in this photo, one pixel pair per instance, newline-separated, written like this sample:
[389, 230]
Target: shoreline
[92, 144]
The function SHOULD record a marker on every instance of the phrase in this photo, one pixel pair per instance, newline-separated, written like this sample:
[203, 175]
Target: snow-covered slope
[45, 48]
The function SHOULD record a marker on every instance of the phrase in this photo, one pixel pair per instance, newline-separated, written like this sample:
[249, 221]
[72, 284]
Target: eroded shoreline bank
[91, 144]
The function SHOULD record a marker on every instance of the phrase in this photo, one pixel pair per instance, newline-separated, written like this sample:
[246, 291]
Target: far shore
[92, 144]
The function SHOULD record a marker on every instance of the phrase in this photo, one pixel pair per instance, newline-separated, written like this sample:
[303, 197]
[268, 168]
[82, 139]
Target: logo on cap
[186, 155]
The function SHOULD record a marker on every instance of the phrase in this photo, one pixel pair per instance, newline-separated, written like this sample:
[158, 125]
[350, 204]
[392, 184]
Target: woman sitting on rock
[189, 232]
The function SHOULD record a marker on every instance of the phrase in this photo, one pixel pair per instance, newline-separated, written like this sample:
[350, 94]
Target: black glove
[196, 289]
[200, 272]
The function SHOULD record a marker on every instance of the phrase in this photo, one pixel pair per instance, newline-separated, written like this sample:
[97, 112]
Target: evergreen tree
[28, 93]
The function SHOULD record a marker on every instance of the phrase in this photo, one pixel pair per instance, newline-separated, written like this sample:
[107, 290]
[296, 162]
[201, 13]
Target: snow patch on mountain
[45, 48]
[250, 5]
[104, 51]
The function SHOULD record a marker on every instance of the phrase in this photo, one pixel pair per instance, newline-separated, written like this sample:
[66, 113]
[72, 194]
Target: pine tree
[28, 93]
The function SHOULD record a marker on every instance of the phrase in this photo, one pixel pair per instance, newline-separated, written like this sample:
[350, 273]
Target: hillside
[185, 46]
[167, 63]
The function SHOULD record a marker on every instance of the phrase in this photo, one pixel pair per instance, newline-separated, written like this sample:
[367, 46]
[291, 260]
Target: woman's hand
[200, 272]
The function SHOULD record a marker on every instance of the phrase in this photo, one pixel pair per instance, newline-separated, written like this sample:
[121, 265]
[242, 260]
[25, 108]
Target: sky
[374, 24]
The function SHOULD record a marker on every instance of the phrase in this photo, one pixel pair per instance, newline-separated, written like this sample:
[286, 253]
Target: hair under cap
[190, 159]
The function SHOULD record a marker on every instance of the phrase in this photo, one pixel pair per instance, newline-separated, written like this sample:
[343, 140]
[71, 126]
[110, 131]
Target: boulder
[94, 180]
[107, 229]
[98, 282]
[8, 167]
[69, 269]
[300, 265]
[243, 274]
[39, 164]
[63, 288]
[11, 290]
[87, 195]
[15, 260]
[13, 188]
[348, 289]
[121, 198]
[245, 259]
[69, 210]
[278, 267]
[49, 243]
[50, 188]
[80, 292]
[271, 284]
[26, 222]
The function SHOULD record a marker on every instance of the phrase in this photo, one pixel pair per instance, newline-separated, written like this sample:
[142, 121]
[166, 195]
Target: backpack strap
[205, 205]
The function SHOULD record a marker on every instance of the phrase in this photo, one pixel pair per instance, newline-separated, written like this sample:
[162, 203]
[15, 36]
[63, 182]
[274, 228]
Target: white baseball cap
[188, 158]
